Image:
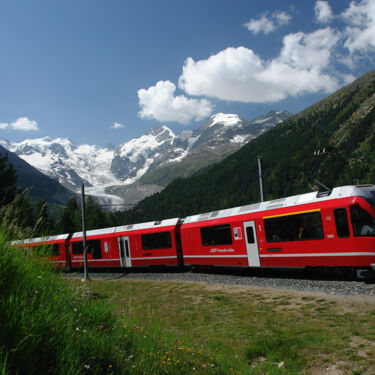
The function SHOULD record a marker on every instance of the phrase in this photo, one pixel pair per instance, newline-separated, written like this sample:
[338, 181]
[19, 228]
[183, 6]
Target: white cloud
[24, 124]
[160, 103]
[4, 125]
[238, 74]
[282, 18]
[117, 125]
[323, 11]
[360, 31]
[267, 24]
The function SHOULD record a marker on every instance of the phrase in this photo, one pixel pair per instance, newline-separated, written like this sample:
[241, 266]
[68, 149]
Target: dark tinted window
[77, 247]
[153, 241]
[93, 246]
[55, 250]
[363, 223]
[216, 235]
[250, 235]
[341, 220]
[299, 227]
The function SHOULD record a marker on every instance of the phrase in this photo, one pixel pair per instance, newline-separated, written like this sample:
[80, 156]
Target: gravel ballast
[317, 282]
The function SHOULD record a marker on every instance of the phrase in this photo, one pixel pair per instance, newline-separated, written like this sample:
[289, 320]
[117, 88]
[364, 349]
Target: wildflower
[206, 340]
[122, 299]
[75, 310]
[77, 329]
[39, 277]
[86, 367]
[101, 327]
[35, 292]
[110, 366]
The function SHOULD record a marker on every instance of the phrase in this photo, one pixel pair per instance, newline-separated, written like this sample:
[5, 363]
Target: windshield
[363, 223]
[372, 199]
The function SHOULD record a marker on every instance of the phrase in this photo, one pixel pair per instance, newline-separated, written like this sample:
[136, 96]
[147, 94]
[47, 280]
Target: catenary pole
[85, 275]
[260, 179]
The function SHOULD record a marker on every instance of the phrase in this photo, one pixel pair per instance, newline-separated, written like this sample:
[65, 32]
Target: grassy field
[241, 330]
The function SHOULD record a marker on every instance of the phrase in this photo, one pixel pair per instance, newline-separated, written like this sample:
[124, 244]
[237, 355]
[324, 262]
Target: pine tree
[8, 181]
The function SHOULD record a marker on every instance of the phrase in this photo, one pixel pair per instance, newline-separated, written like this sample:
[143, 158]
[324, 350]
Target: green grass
[243, 332]
[49, 326]
[55, 326]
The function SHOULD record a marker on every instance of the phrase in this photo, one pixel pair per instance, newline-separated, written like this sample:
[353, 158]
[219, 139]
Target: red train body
[335, 229]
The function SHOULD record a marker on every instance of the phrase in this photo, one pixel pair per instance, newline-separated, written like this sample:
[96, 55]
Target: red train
[330, 229]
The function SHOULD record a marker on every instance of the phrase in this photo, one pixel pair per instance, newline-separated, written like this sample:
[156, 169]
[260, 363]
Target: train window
[363, 223]
[153, 241]
[94, 247]
[341, 220]
[250, 235]
[77, 247]
[296, 227]
[216, 235]
[372, 199]
[55, 250]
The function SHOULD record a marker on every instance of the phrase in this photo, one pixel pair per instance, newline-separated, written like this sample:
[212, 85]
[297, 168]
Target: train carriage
[332, 229]
[145, 244]
[154, 243]
[57, 247]
[102, 250]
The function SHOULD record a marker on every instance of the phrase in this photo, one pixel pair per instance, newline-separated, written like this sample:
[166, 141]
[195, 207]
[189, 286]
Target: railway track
[316, 281]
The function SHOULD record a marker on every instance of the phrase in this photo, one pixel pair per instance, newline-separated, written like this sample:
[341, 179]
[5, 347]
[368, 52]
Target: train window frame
[340, 230]
[156, 240]
[358, 231]
[304, 226]
[216, 235]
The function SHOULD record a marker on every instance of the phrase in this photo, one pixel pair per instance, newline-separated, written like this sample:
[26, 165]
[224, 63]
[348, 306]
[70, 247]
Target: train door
[124, 252]
[251, 243]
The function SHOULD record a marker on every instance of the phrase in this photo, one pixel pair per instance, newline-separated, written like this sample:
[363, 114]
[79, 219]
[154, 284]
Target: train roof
[366, 191]
[59, 237]
[127, 228]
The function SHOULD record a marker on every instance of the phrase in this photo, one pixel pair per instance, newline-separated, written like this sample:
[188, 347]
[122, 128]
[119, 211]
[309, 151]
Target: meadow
[52, 324]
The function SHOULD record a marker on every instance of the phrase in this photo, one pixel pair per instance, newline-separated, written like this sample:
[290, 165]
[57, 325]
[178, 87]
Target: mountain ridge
[151, 160]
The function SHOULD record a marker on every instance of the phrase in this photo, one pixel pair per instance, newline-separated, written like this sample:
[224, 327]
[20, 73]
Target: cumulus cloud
[266, 24]
[22, 123]
[117, 125]
[360, 30]
[323, 11]
[160, 103]
[238, 74]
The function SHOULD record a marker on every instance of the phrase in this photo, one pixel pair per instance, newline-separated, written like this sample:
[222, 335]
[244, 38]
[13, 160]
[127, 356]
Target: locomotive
[319, 229]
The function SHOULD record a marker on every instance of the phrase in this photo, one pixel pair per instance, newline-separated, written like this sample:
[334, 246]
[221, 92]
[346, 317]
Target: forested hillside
[342, 124]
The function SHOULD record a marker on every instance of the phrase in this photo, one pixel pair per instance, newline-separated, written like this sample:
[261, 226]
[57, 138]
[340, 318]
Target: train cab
[330, 229]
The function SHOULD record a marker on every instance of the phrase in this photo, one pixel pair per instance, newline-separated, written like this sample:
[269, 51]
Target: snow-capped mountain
[145, 164]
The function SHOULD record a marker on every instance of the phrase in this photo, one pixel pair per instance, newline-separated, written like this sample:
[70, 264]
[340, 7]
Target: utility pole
[260, 179]
[85, 275]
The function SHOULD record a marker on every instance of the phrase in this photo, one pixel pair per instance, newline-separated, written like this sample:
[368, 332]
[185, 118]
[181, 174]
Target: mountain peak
[226, 119]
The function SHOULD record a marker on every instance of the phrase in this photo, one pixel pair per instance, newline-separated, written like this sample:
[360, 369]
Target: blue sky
[106, 71]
